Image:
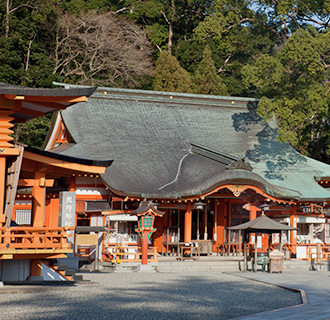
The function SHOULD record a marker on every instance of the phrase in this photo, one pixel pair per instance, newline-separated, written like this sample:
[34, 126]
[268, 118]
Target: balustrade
[30, 238]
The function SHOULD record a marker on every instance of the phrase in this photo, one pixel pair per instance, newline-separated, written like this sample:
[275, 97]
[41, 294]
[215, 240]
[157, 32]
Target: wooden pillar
[205, 223]
[145, 247]
[35, 268]
[2, 187]
[54, 210]
[188, 223]
[72, 184]
[255, 251]
[293, 233]
[253, 212]
[170, 220]
[198, 234]
[215, 232]
[38, 199]
[245, 251]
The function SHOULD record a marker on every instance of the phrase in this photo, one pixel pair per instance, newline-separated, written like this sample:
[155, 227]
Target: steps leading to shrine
[223, 266]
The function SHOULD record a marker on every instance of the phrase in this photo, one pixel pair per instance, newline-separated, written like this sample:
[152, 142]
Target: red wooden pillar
[2, 184]
[72, 184]
[253, 212]
[188, 223]
[38, 198]
[145, 247]
[293, 233]
[54, 209]
[35, 268]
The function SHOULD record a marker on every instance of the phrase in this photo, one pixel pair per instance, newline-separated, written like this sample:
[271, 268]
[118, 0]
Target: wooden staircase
[63, 270]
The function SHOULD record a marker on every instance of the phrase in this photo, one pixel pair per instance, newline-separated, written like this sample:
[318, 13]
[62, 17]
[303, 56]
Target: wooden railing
[320, 253]
[33, 238]
[124, 256]
[292, 248]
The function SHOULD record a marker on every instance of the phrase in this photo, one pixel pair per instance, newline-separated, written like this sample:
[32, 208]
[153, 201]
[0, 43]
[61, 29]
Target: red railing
[33, 238]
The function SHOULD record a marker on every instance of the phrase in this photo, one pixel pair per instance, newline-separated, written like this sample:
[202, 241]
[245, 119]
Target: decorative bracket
[237, 189]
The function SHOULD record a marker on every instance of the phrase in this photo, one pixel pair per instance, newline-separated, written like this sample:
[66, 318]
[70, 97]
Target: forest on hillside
[274, 50]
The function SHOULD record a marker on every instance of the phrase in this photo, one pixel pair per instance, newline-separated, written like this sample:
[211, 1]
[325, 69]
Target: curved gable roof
[150, 135]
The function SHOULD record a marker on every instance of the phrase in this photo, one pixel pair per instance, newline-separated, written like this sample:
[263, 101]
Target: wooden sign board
[86, 239]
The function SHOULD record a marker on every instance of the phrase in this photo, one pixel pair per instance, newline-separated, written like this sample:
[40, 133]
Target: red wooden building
[30, 232]
[209, 162]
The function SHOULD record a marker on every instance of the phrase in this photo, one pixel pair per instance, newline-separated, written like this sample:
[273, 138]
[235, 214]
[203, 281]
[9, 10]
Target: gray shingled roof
[6, 88]
[30, 99]
[262, 224]
[149, 135]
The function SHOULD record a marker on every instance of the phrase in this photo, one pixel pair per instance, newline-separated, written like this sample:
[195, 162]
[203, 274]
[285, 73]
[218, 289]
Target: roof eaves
[98, 163]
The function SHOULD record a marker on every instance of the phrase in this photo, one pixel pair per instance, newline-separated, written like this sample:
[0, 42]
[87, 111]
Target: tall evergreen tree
[294, 84]
[206, 80]
[170, 76]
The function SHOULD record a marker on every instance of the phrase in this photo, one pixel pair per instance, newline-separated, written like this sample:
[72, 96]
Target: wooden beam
[34, 251]
[50, 105]
[63, 164]
[31, 182]
[31, 112]
[9, 151]
[40, 253]
[72, 99]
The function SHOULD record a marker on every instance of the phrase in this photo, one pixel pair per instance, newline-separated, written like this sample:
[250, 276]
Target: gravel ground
[189, 295]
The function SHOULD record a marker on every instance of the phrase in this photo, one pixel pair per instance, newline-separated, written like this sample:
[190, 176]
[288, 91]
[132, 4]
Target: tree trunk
[170, 38]
[7, 18]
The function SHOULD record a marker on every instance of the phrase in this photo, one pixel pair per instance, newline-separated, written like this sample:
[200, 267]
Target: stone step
[62, 267]
[197, 266]
[77, 277]
[223, 266]
[70, 272]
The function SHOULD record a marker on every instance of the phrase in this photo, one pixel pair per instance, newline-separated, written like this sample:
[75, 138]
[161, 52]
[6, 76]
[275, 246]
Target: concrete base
[145, 268]
[37, 278]
[1, 284]
[70, 261]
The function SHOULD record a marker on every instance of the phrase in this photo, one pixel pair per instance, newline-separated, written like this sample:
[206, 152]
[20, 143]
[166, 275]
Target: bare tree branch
[102, 50]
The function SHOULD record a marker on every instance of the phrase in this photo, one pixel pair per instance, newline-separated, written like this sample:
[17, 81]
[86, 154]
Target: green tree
[24, 38]
[166, 21]
[206, 80]
[239, 33]
[294, 84]
[76, 7]
[33, 132]
[170, 76]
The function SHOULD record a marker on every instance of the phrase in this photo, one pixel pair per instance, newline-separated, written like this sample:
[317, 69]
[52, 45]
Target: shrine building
[208, 162]
[34, 226]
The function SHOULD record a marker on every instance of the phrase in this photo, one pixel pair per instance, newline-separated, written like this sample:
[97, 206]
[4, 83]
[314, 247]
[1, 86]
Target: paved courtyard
[188, 295]
[316, 286]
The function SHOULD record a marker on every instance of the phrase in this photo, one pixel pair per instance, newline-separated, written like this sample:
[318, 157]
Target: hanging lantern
[199, 205]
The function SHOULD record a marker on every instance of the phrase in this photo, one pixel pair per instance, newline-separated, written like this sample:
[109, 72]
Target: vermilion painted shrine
[208, 162]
